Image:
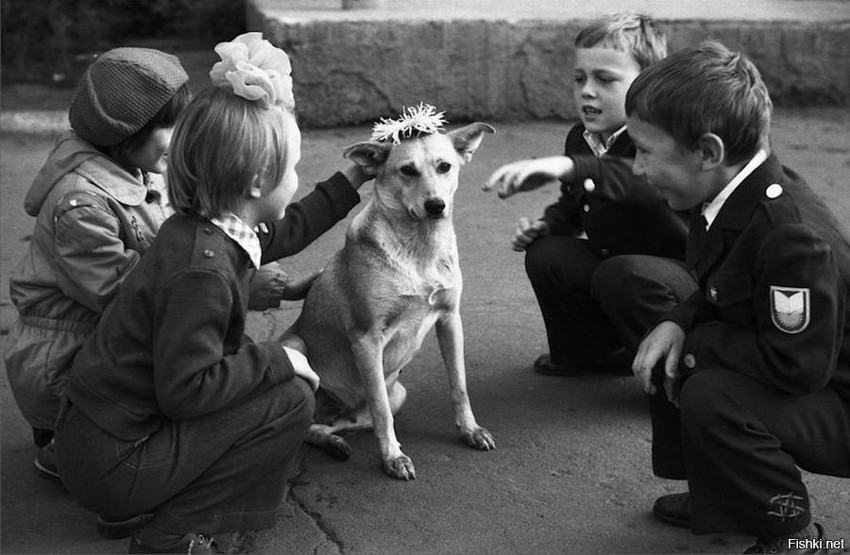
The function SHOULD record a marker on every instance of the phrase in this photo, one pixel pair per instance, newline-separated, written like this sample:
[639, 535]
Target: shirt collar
[245, 237]
[710, 210]
[597, 145]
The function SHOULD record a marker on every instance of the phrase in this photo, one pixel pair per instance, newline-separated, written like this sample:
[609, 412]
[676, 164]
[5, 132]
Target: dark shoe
[674, 509]
[808, 540]
[607, 364]
[45, 462]
[235, 543]
[191, 543]
[117, 529]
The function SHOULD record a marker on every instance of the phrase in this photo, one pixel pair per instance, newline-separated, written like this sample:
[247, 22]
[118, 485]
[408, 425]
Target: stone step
[502, 60]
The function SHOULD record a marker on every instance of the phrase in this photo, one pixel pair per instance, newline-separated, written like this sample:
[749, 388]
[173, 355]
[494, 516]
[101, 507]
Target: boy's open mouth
[590, 111]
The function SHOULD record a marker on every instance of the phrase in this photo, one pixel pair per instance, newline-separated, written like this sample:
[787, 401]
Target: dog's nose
[435, 206]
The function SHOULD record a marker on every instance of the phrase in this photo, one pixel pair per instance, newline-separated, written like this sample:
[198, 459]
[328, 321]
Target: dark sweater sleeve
[306, 220]
[193, 376]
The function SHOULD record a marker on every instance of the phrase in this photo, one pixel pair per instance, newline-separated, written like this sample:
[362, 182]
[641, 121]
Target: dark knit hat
[122, 91]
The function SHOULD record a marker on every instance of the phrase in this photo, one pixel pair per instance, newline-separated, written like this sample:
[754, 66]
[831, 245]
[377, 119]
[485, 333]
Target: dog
[395, 279]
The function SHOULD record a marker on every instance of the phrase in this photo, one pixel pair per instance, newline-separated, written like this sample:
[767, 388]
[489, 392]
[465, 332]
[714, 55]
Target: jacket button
[690, 361]
[604, 253]
[712, 292]
[586, 208]
[589, 185]
[208, 253]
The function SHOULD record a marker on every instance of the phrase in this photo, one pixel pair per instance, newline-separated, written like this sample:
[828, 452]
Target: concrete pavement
[571, 471]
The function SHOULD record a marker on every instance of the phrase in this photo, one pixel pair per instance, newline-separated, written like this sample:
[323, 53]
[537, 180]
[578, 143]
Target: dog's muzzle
[434, 207]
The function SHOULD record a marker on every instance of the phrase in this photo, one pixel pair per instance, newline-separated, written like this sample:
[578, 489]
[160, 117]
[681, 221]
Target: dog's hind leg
[450, 338]
[321, 437]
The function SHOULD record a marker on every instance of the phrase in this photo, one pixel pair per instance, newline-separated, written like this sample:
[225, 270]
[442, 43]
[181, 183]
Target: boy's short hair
[223, 144]
[628, 32]
[702, 89]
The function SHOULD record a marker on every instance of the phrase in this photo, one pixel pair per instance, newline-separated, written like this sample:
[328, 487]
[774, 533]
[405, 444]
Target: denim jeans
[222, 472]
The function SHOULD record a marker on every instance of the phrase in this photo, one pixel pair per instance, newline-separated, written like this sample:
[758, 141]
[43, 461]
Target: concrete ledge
[492, 61]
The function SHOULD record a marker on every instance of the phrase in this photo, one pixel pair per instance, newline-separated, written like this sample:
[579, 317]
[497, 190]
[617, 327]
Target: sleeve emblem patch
[790, 308]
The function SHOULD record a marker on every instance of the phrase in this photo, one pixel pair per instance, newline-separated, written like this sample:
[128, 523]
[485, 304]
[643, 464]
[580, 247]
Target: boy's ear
[712, 151]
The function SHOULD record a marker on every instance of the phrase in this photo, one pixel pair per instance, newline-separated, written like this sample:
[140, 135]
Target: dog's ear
[467, 139]
[367, 154]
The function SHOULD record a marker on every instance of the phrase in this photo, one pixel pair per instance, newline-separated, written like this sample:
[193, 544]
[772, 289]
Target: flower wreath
[413, 122]
[255, 70]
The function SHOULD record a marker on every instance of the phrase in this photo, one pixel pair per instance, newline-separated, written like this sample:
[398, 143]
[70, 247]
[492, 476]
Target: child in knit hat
[98, 205]
[171, 409]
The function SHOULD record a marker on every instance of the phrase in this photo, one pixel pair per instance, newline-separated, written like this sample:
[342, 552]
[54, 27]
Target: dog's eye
[444, 167]
[409, 171]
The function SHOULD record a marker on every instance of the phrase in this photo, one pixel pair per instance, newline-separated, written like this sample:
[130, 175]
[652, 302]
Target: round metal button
[208, 253]
[690, 361]
[589, 185]
[586, 208]
[773, 191]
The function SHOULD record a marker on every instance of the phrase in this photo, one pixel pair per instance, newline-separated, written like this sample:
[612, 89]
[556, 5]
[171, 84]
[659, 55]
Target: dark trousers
[560, 270]
[593, 305]
[222, 472]
[636, 291]
[739, 443]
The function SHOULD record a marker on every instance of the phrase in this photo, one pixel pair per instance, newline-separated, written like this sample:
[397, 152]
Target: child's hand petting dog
[267, 287]
[527, 175]
[270, 285]
[295, 290]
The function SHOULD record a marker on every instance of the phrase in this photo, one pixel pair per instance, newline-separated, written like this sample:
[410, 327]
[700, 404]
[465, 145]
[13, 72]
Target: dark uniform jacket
[773, 271]
[172, 346]
[620, 212]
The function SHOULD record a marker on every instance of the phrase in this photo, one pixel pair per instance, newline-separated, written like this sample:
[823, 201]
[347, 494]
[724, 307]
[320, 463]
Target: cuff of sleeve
[349, 196]
[280, 368]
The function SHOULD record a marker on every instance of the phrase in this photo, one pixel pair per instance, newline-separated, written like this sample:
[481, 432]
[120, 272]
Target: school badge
[789, 308]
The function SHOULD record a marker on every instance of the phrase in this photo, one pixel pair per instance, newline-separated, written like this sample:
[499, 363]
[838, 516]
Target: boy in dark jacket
[750, 376]
[604, 211]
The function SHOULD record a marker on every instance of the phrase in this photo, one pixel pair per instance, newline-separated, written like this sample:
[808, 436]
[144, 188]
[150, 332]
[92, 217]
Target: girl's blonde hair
[222, 145]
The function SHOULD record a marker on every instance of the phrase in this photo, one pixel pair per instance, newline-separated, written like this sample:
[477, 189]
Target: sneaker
[45, 462]
[809, 540]
[118, 529]
[674, 509]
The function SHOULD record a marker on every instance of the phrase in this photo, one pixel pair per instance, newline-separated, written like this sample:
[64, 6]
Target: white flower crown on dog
[255, 70]
[413, 121]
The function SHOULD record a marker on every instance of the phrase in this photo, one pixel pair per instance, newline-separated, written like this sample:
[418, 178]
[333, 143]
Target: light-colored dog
[396, 277]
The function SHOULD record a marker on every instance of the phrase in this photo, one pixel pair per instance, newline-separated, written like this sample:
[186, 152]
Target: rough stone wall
[350, 72]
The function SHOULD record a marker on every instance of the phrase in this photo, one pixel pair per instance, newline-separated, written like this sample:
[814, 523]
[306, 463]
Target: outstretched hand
[527, 175]
[664, 342]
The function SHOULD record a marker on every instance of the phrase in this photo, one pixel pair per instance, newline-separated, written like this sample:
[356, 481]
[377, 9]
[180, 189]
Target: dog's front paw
[479, 438]
[400, 467]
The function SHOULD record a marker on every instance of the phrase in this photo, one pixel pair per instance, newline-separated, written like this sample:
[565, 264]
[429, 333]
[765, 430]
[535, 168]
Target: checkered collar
[236, 229]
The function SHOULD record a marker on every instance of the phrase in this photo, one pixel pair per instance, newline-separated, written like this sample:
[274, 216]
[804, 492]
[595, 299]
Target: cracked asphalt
[571, 471]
